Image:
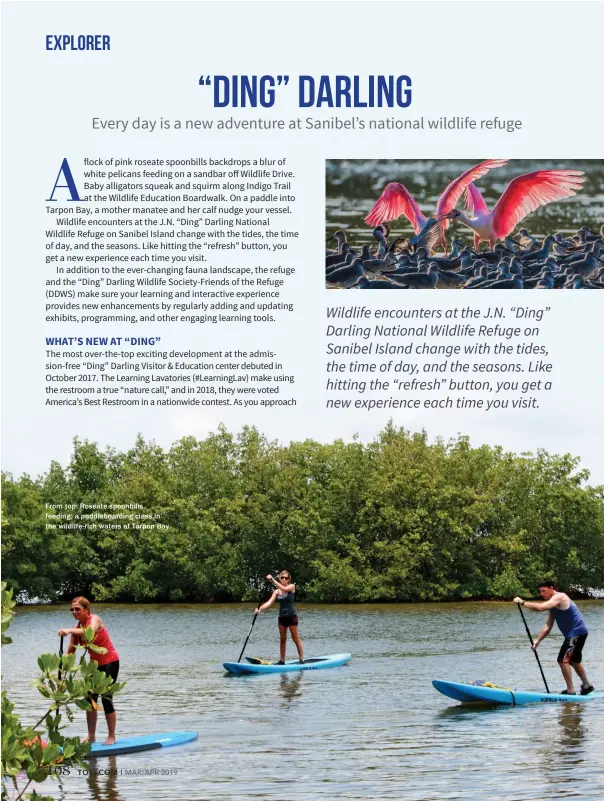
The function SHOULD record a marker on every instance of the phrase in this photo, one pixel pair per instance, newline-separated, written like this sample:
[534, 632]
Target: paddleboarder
[285, 593]
[108, 663]
[561, 610]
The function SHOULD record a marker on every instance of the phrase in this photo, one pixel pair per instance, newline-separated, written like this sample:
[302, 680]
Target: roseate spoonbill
[396, 200]
[523, 194]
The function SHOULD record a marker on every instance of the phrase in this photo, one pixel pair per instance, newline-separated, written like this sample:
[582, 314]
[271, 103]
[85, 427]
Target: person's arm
[72, 643]
[283, 587]
[76, 632]
[545, 630]
[73, 633]
[268, 603]
[553, 602]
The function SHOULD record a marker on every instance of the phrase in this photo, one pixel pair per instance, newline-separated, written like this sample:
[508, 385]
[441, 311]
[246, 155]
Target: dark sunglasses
[284, 577]
[76, 609]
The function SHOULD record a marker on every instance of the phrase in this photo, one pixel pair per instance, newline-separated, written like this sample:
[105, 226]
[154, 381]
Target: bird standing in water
[396, 200]
[523, 194]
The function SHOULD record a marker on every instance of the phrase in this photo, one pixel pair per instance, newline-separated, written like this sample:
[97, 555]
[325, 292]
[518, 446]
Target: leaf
[51, 753]
[37, 774]
[36, 797]
[13, 766]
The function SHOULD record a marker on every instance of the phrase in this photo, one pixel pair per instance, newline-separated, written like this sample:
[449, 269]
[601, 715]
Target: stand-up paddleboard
[255, 665]
[130, 745]
[490, 694]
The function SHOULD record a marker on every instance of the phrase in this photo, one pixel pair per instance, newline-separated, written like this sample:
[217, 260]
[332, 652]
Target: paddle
[60, 657]
[253, 621]
[248, 636]
[59, 676]
[532, 646]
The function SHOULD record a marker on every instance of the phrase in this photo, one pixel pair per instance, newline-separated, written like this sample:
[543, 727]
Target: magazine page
[264, 536]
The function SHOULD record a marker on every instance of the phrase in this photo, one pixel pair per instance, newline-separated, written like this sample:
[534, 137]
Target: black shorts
[288, 621]
[110, 669]
[572, 650]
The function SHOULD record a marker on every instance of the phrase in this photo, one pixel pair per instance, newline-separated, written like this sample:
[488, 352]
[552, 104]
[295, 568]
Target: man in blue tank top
[561, 610]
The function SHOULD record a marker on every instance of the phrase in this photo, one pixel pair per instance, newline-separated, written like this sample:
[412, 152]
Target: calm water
[352, 188]
[374, 729]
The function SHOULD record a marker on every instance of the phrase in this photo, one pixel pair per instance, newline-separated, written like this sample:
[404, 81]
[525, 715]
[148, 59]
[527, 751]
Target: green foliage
[35, 753]
[8, 606]
[507, 584]
[396, 519]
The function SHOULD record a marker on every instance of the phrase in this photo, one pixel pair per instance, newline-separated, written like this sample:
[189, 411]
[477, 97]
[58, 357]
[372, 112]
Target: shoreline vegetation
[398, 519]
[595, 597]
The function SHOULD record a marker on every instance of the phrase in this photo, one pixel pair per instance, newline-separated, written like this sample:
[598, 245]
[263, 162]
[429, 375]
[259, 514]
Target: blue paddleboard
[317, 663]
[130, 745]
[479, 693]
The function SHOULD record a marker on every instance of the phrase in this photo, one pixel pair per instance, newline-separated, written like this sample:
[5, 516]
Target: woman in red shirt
[108, 663]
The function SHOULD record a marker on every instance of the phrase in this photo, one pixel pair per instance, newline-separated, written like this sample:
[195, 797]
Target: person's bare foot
[87, 739]
[109, 741]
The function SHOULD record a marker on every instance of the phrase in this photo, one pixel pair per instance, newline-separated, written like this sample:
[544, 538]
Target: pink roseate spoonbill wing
[528, 192]
[394, 201]
[475, 203]
[448, 199]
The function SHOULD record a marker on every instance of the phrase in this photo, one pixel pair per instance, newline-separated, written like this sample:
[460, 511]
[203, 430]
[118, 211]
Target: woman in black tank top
[288, 619]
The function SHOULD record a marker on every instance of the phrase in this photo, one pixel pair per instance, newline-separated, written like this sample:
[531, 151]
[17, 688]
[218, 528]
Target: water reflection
[290, 686]
[572, 728]
[102, 780]
[468, 710]
[561, 750]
